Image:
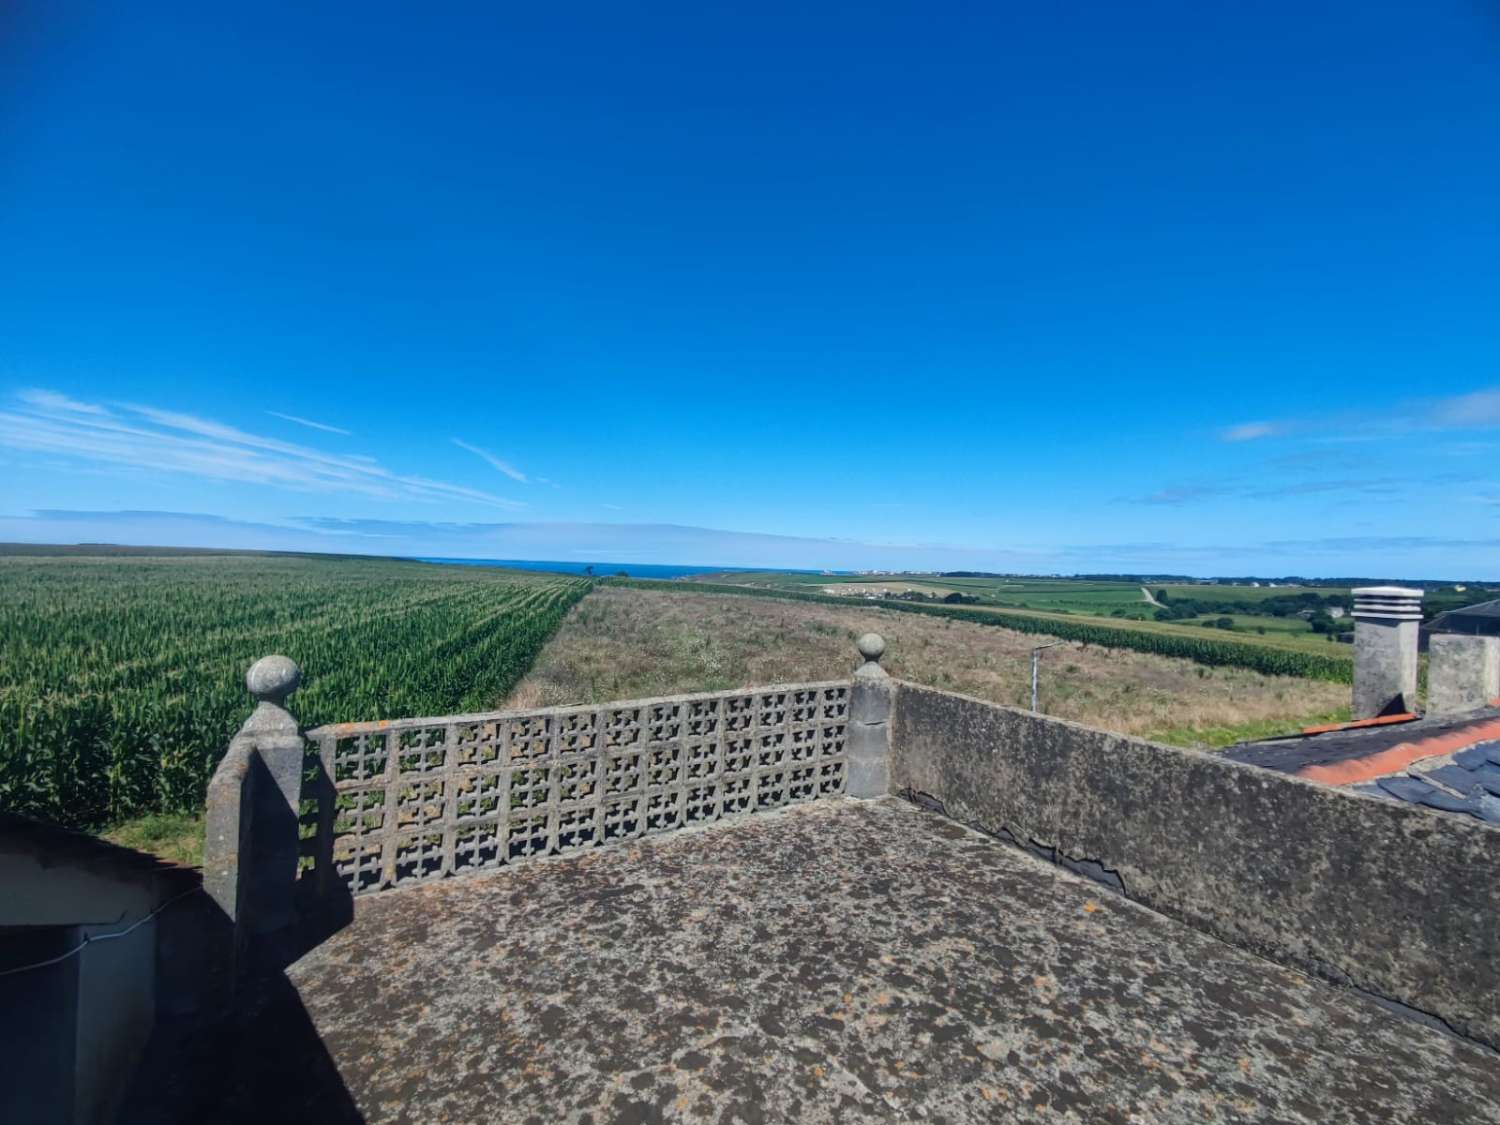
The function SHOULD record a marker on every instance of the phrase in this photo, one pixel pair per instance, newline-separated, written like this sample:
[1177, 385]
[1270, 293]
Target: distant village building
[1482, 620]
[1444, 757]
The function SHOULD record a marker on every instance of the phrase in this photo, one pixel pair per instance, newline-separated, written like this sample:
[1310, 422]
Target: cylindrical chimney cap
[1387, 603]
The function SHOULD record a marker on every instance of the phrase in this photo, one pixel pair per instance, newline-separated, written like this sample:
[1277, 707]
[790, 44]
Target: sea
[603, 569]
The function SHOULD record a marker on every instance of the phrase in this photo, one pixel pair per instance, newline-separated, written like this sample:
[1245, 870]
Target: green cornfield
[122, 679]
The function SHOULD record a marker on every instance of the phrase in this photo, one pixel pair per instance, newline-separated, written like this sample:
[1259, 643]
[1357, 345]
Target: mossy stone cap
[272, 678]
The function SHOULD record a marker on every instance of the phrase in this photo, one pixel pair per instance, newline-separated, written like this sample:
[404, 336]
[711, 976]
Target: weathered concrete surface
[251, 846]
[1463, 673]
[1399, 900]
[843, 961]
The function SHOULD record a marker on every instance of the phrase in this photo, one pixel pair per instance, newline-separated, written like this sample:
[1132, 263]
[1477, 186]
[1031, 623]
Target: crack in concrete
[1096, 871]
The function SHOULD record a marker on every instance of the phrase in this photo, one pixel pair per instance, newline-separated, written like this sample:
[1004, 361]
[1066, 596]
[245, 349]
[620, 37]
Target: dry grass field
[625, 643]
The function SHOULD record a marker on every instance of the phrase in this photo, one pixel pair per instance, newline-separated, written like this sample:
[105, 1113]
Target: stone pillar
[1463, 673]
[251, 847]
[870, 722]
[1386, 623]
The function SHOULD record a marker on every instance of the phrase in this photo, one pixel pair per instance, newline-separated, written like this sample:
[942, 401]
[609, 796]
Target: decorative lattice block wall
[417, 799]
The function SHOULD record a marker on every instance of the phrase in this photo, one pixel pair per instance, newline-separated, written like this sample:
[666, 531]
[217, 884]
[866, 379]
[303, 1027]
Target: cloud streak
[1182, 494]
[1479, 410]
[503, 466]
[309, 423]
[1194, 493]
[1476, 410]
[1253, 431]
[40, 399]
[146, 437]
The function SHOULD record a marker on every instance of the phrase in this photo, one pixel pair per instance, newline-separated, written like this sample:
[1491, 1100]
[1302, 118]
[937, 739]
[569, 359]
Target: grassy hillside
[626, 642]
[1275, 653]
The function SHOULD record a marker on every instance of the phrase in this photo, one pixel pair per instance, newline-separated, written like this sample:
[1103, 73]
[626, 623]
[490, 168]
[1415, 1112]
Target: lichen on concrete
[1387, 897]
[843, 961]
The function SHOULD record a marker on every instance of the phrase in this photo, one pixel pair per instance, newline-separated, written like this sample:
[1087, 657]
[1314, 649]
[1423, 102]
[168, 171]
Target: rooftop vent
[1387, 603]
[1386, 624]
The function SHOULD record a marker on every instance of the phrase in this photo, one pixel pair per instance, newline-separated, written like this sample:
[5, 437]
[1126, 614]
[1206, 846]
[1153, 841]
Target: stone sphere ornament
[272, 678]
[871, 646]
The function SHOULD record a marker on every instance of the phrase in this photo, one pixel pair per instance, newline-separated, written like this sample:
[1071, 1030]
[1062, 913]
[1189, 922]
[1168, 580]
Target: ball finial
[871, 646]
[272, 678]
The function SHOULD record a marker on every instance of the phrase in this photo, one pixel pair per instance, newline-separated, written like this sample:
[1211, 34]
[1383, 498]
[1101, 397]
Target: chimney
[1463, 673]
[1386, 622]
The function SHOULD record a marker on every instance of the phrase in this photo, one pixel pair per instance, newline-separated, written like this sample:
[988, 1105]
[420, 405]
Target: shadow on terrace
[863, 900]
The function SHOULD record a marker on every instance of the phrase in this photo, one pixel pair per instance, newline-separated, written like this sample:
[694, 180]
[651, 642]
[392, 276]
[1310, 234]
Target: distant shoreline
[634, 570]
[674, 570]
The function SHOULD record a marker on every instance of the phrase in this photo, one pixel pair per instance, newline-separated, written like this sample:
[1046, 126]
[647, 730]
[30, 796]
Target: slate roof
[1482, 619]
[1452, 765]
[56, 846]
[1466, 782]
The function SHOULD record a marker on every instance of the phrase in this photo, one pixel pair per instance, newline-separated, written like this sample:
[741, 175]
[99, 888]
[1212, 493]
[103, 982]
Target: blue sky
[1202, 288]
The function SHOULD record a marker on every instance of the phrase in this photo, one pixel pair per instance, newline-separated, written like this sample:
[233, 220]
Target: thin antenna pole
[1035, 660]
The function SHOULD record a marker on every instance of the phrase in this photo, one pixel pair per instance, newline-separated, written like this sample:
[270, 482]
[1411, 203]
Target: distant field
[1245, 593]
[1070, 595]
[624, 642]
[894, 586]
[1076, 597]
[1086, 610]
[122, 679]
[1287, 640]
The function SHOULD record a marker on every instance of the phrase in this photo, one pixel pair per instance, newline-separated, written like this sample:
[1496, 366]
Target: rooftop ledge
[1249, 946]
[842, 961]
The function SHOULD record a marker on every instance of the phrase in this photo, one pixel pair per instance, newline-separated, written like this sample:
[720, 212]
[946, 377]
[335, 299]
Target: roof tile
[1478, 755]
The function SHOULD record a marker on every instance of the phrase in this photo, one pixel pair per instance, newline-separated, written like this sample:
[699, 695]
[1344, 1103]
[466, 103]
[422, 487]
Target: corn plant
[122, 679]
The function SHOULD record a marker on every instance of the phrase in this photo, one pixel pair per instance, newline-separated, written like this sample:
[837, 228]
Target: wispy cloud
[1476, 410]
[147, 437]
[51, 400]
[1181, 494]
[1303, 486]
[1254, 431]
[504, 466]
[1372, 487]
[309, 423]
[612, 507]
[1479, 410]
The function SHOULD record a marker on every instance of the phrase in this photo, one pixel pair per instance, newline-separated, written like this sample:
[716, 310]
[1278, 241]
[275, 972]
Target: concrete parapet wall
[1463, 673]
[1399, 901]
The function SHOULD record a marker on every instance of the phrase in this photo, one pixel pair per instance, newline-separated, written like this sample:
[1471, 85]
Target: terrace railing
[371, 806]
[420, 799]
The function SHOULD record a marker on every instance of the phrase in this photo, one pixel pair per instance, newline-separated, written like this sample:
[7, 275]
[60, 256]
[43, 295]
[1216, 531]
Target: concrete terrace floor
[843, 961]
